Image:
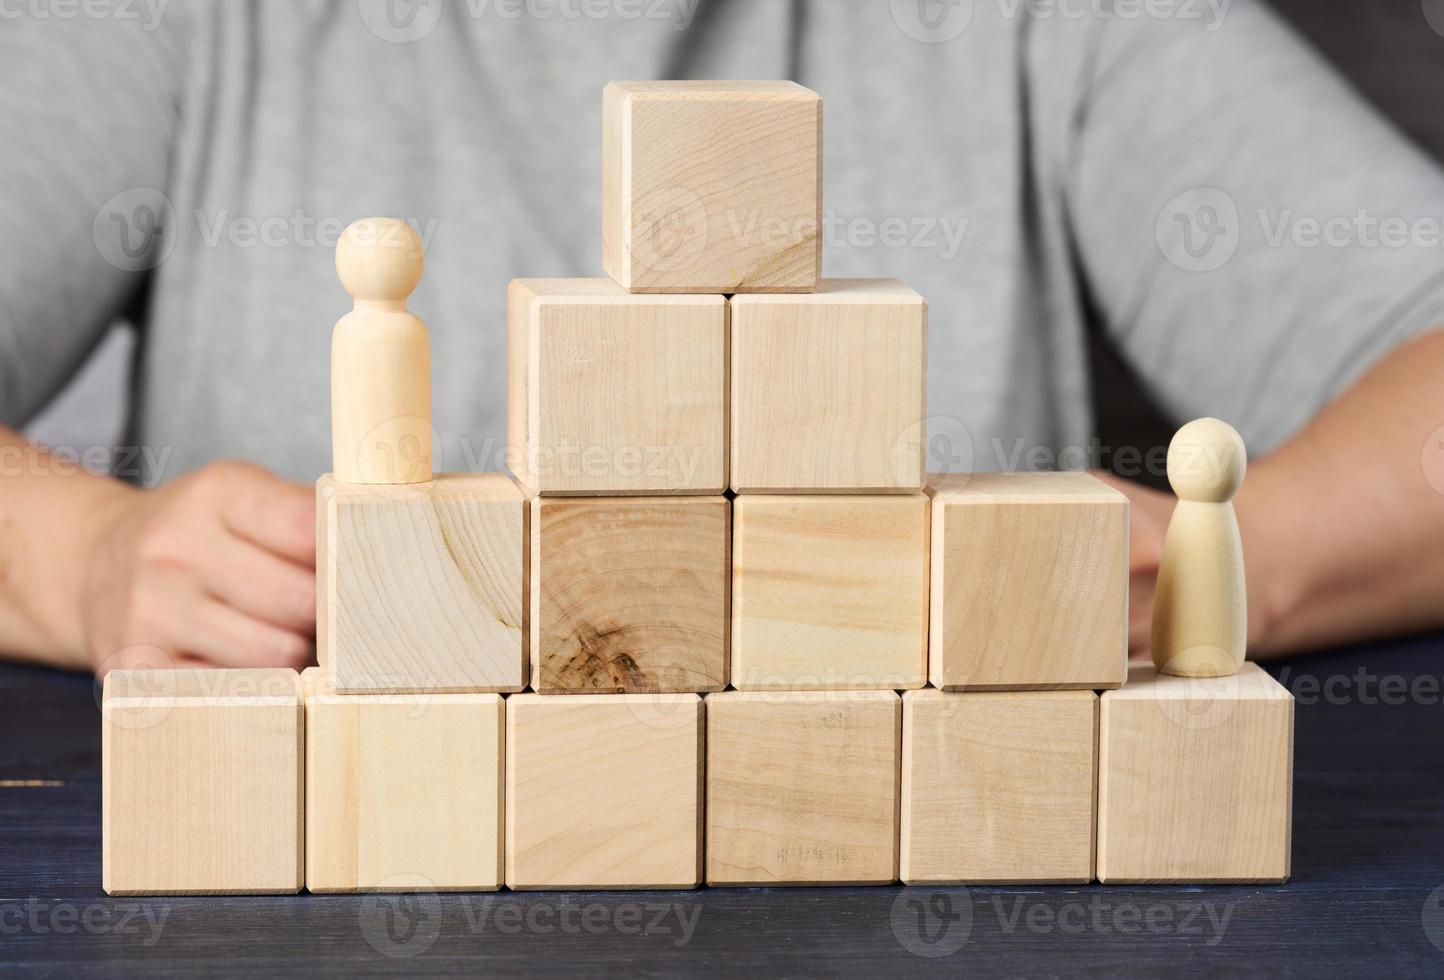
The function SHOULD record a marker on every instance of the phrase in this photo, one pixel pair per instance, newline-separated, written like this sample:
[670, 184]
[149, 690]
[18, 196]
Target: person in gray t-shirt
[1184, 178]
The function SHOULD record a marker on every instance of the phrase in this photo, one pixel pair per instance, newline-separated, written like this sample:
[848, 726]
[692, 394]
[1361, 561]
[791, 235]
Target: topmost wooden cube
[712, 187]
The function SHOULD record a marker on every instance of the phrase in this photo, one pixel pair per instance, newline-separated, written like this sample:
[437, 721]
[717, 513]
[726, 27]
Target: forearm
[48, 507]
[1343, 529]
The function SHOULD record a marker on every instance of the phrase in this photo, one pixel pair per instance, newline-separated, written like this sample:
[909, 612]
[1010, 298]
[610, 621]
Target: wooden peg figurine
[380, 359]
[1200, 611]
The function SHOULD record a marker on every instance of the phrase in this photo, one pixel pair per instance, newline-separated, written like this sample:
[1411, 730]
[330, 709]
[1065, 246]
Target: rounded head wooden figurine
[380, 359]
[1200, 610]
[379, 260]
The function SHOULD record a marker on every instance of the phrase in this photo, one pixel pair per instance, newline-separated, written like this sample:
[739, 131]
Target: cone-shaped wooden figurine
[1200, 611]
[380, 359]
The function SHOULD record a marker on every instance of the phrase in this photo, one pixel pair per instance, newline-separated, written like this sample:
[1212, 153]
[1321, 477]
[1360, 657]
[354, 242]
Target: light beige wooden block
[829, 389]
[1195, 778]
[403, 791]
[603, 791]
[629, 594]
[422, 587]
[1029, 582]
[201, 782]
[998, 787]
[712, 187]
[802, 787]
[610, 393]
[830, 592]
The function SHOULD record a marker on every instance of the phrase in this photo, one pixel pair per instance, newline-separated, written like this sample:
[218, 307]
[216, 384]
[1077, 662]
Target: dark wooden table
[1367, 897]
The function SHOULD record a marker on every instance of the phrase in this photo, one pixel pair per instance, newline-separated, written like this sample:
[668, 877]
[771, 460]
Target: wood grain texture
[422, 588]
[202, 782]
[829, 389]
[712, 187]
[630, 594]
[802, 787]
[830, 592]
[1029, 582]
[610, 393]
[1195, 778]
[403, 791]
[998, 787]
[380, 359]
[604, 791]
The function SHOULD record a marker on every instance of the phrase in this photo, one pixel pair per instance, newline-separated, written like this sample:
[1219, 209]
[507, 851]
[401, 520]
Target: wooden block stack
[672, 648]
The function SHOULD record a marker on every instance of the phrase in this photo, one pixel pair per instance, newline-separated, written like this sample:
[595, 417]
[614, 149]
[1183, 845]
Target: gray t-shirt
[1183, 175]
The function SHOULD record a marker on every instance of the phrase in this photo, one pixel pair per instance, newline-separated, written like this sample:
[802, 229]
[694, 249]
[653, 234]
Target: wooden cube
[1195, 778]
[829, 389]
[629, 594]
[1029, 582]
[609, 393]
[403, 791]
[830, 592]
[603, 791]
[712, 187]
[422, 587]
[802, 787]
[998, 787]
[201, 782]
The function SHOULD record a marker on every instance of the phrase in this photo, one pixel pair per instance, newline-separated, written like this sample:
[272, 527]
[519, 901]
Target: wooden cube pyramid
[403, 791]
[421, 587]
[712, 187]
[201, 782]
[1195, 778]
[829, 389]
[1029, 582]
[609, 393]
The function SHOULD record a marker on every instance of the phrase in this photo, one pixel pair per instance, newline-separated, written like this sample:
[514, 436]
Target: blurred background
[1392, 51]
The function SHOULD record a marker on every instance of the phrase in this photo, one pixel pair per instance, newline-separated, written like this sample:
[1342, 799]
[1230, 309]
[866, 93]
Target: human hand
[216, 568]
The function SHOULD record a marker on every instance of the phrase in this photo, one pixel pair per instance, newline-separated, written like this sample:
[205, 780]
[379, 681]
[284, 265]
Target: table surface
[1367, 896]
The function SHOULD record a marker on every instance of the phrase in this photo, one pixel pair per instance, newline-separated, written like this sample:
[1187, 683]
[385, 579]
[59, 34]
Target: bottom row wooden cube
[201, 782]
[998, 787]
[802, 788]
[604, 791]
[403, 792]
[1195, 778]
